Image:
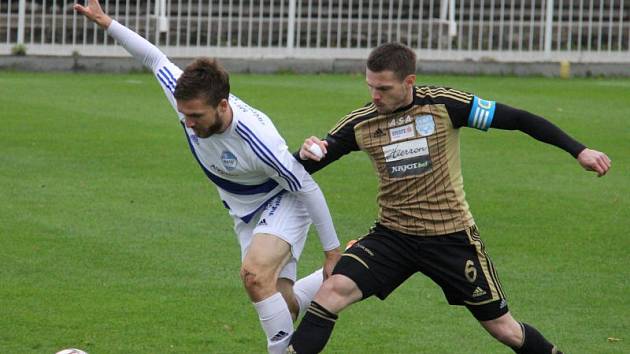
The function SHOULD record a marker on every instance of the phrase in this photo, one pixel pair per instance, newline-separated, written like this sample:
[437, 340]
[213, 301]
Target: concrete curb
[312, 66]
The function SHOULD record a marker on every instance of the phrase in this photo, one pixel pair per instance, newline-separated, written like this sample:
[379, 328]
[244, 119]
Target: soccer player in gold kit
[411, 134]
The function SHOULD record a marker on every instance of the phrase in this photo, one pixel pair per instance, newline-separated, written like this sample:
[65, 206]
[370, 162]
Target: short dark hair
[203, 78]
[395, 57]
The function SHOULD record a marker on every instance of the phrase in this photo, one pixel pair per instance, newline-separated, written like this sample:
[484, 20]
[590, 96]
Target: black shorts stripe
[493, 271]
[357, 258]
[486, 264]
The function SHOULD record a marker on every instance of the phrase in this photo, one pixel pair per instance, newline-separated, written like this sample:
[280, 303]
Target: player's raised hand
[94, 13]
[593, 160]
[313, 149]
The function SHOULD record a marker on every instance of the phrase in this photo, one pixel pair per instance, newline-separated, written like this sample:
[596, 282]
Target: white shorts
[285, 217]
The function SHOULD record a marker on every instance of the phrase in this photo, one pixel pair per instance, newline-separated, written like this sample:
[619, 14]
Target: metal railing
[502, 30]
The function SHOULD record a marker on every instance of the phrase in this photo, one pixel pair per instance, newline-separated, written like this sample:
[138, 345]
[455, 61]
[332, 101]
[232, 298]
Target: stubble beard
[212, 129]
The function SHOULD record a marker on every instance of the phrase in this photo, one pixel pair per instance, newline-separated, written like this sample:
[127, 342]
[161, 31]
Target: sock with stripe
[534, 342]
[276, 321]
[305, 289]
[314, 331]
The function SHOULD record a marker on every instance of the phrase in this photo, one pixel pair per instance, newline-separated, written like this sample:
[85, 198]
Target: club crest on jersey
[425, 125]
[194, 139]
[229, 160]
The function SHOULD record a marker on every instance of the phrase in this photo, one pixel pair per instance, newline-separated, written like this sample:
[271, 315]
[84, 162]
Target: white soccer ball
[71, 351]
[316, 150]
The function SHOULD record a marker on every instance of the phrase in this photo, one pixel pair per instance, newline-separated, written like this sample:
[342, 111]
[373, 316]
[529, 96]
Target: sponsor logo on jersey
[425, 125]
[262, 221]
[378, 133]
[405, 150]
[408, 169]
[400, 121]
[401, 133]
[229, 160]
[407, 158]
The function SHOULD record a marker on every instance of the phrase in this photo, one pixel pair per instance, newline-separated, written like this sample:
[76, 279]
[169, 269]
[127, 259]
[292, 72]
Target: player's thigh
[286, 217]
[282, 216]
[266, 254]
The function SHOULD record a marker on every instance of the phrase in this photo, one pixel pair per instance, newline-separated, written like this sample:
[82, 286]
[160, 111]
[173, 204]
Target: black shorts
[382, 260]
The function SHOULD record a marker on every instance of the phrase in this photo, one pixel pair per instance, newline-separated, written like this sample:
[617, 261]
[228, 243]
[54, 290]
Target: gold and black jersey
[415, 152]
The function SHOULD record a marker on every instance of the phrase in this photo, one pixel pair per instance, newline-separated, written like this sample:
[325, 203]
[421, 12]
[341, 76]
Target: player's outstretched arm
[541, 129]
[140, 48]
[94, 13]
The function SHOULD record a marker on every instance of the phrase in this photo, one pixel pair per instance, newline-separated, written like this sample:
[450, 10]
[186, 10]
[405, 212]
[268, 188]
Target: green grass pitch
[112, 240]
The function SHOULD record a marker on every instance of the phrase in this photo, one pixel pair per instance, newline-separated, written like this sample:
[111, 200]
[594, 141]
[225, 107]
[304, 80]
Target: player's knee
[257, 281]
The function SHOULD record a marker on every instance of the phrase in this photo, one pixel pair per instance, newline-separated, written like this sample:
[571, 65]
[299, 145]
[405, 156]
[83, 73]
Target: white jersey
[250, 162]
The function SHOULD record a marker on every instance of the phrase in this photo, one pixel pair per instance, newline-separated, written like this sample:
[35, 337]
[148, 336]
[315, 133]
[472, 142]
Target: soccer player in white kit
[269, 195]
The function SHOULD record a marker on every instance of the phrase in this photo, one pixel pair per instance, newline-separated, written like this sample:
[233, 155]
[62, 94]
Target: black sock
[314, 330]
[534, 342]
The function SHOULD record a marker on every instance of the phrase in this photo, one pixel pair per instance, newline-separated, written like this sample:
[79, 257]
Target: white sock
[276, 321]
[306, 288]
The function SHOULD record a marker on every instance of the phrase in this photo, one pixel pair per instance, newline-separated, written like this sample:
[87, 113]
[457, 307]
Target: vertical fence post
[452, 25]
[162, 19]
[291, 27]
[21, 21]
[548, 29]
